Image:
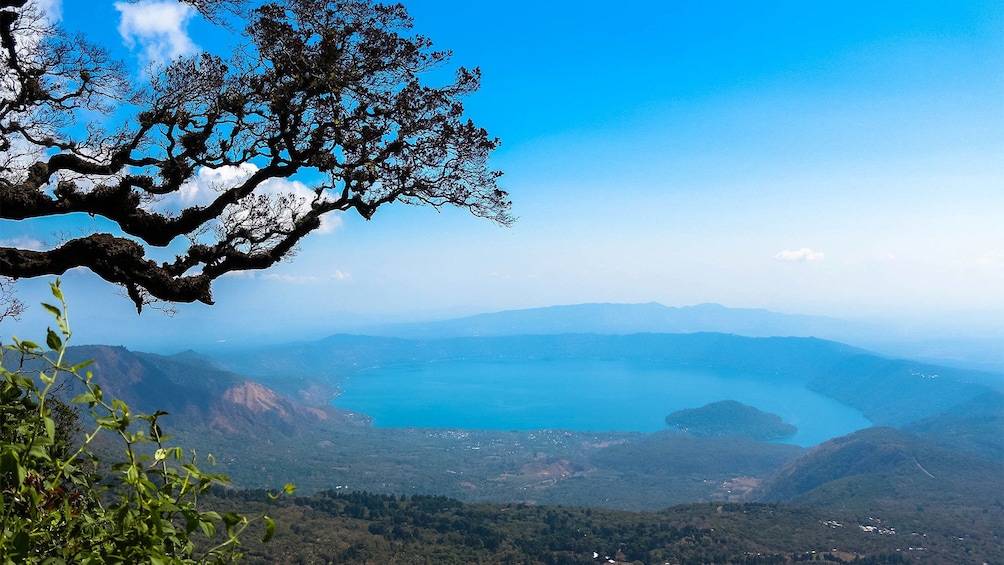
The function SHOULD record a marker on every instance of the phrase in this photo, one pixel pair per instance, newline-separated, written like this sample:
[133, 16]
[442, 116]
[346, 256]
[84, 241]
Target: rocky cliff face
[195, 394]
[253, 405]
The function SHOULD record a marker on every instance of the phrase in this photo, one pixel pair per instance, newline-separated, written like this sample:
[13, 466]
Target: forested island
[731, 418]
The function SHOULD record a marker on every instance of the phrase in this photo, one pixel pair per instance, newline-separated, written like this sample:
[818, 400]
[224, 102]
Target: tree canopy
[324, 94]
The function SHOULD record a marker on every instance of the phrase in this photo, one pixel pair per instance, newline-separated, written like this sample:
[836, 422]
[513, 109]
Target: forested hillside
[362, 528]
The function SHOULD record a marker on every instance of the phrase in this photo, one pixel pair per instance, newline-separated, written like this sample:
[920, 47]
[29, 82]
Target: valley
[926, 455]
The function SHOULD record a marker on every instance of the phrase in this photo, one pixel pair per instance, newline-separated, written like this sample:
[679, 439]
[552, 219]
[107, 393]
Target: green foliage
[365, 528]
[55, 505]
[731, 418]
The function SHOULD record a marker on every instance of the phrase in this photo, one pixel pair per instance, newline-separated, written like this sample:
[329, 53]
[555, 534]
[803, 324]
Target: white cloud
[297, 279]
[158, 28]
[240, 274]
[277, 186]
[338, 275]
[23, 242]
[39, 16]
[991, 258]
[53, 9]
[208, 183]
[803, 254]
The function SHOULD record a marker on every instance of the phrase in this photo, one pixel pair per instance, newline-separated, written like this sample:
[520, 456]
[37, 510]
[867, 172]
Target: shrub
[58, 505]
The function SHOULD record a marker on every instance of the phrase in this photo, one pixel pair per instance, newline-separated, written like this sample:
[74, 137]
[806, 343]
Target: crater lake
[579, 394]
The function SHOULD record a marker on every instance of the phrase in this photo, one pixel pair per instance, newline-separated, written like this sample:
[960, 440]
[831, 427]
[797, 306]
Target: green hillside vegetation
[322, 448]
[504, 487]
[627, 471]
[894, 392]
[888, 472]
[60, 503]
[908, 467]
[975, 426]
[731, 418]
[361, 528]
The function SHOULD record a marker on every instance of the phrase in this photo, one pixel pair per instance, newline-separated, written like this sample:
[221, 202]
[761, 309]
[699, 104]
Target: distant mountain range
[624, 319]
[986, 354]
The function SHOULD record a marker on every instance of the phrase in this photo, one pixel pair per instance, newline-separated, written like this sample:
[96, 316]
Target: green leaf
[288, 489]
[50, 429]
[56, 290]
[52, 309]
[46, 378]
[52, 340]
[232, 519]
[84, 398]
[108, 422]
[269, 529]
[208, 528]
[81, 366]
[8, 461]
[120, 406]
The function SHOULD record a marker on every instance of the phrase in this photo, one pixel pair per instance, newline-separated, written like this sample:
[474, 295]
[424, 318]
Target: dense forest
[731, 418]
[363, 528]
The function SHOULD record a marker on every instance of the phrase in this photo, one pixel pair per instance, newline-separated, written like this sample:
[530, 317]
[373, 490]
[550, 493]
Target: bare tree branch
[10, 306]
[325, 93]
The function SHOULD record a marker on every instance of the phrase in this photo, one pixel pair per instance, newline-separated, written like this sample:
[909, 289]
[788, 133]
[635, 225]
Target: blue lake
[575, 394]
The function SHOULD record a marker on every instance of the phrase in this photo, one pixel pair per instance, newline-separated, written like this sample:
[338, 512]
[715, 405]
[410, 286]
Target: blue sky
[834, 158]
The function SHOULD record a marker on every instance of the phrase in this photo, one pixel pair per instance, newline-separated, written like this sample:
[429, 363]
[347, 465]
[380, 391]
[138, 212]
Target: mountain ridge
[195, 394]
[875, 468]
[613, 318]
[984, 353]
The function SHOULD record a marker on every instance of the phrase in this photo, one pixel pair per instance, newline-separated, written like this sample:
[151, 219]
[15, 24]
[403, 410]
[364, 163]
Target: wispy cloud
[208, 183]
[803, 254]
[240, 274]
[24, 242]
[338, 275]
[276, 186]
[296, 279]
[158, 28]
[206, 186]
[991, 258]
[53, 9]
[39, 16]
